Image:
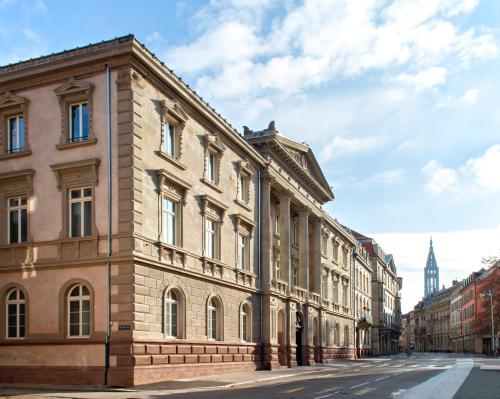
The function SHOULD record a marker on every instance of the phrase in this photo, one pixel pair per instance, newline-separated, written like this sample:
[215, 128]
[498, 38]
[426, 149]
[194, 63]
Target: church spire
[431, 272]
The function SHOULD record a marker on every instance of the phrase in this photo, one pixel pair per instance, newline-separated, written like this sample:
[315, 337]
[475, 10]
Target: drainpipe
[259, 245]
[109, 181]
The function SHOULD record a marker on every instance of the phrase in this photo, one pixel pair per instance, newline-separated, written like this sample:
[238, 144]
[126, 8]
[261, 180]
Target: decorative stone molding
[15, 183]
[10, 106]
[73, 175]
[173, 184]
[71, 92]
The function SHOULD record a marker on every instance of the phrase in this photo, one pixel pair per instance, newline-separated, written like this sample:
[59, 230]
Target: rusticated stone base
[291, 355]
[308, 355]
[52, 375]
[330, 354]
[270, 357]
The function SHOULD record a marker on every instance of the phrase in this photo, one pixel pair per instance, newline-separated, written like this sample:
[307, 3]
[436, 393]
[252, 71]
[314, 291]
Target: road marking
[327, 390]
[364, 391]
[359, 385]
[293, 390]
[398, 392]
[325, 396]
[382, 378]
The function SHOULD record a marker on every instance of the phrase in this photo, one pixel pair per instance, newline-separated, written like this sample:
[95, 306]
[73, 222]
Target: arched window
[172, 314]
[346, 336]
[214, 319]
[78, 305]
[246, 322]
[16, 313]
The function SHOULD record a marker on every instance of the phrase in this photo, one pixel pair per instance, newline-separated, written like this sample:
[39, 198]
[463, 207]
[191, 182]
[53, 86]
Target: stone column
[285, 236]
[269, 347]
[304, 247]
[315, 252]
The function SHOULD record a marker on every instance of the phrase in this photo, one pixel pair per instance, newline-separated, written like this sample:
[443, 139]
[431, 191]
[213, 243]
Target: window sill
[15, 155]
[212, 185]
[244, 205]
[170, 159]
[73, 144]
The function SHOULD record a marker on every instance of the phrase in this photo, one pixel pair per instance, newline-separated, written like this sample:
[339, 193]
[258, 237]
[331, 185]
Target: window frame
[17, 302]
[214, 149]
[246, 322]
[211, 251]
[12, 106]
[71, 134]
[76, 175]
[181, 300]
[169, 235]
[81, 200]
[72, 93]
[213, 211]
[215, 304]
[18, 149]
[79, 299]
[172, 114]
[18, 209]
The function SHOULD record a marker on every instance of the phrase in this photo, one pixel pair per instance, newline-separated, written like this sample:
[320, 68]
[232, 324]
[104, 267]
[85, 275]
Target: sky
[398, 100]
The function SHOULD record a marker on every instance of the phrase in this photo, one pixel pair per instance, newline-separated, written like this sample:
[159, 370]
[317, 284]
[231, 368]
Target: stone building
[362, 301]
[144, 239]
[385, 298]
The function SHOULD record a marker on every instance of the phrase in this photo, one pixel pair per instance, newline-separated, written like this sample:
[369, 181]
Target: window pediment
[173, 184]
[74, 86]
[213, 207]
[9, 100]
[174, 109]
[78, 172]
[18, 181]
[212, 141]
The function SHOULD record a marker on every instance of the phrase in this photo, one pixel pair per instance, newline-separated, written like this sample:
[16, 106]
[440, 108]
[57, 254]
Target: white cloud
[439, 178]
[470, 96]
[425, 79]
[319, 41]
[486, 169]
[391, 177]
[341, 145]
[479, 174]
[458, 253]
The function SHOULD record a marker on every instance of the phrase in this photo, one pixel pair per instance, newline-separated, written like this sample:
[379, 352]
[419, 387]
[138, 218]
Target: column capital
[317, 221]
[303, 211]
[285, 194]
[267, 179]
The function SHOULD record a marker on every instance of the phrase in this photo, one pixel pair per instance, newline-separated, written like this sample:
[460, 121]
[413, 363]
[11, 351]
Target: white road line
[382, 378]
[325, 396]
[359, 385]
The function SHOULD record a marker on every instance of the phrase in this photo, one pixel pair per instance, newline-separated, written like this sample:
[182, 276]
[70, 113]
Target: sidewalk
[164, 388]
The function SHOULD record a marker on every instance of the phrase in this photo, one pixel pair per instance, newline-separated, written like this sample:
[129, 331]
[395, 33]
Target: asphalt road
[422, 376]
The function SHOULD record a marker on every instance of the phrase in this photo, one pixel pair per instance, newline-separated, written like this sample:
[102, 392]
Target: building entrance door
[298, 340]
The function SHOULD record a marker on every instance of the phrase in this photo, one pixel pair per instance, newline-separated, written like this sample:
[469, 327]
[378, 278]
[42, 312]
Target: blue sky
[398, 99]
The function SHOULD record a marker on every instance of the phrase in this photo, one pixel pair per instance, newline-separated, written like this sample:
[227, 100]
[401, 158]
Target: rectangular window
[210, 238]
[277, 266]
[324, 241]
[80, 212]
[277, 224]
[295, 238]
[295, 276]
[211, 167]
[79, 122]
[15, 134]
[169, 221]
[169, 139]
[243, 188]
[242, 251]
[17, 219]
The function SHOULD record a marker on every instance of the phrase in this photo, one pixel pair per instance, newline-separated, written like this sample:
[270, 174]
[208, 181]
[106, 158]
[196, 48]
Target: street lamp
[490, 294]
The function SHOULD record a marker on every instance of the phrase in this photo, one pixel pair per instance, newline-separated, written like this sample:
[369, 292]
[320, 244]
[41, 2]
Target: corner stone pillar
[270, 347]
[285, 198]
[304, 247]
[315, 264]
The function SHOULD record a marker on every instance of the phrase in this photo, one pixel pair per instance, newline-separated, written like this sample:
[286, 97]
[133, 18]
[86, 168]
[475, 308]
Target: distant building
[385, 297]
[431, 272]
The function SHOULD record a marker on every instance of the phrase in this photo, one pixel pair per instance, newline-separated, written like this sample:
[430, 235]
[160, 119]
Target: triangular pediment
[73, 86]
[304, 156]
[173, 108]
[10, 100]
